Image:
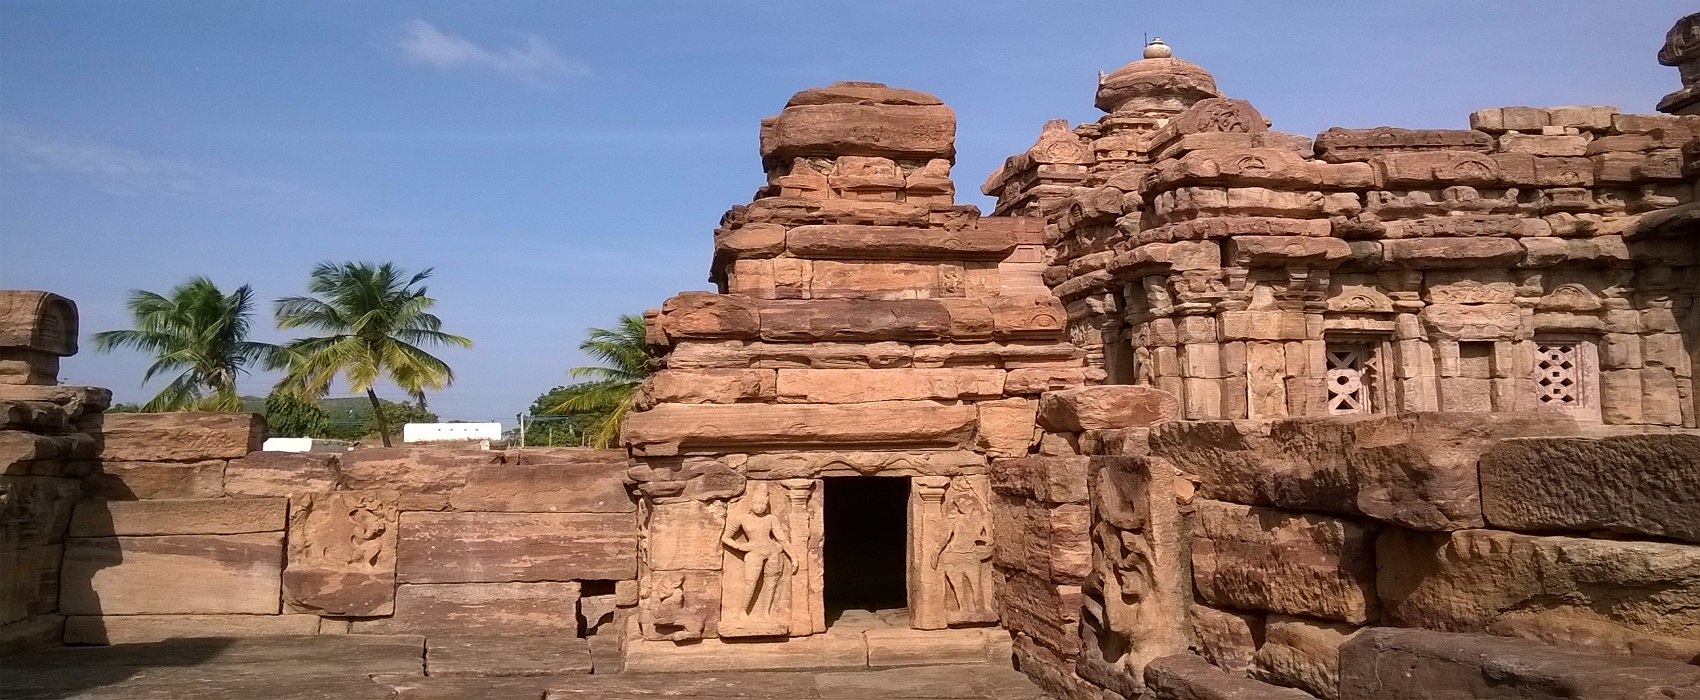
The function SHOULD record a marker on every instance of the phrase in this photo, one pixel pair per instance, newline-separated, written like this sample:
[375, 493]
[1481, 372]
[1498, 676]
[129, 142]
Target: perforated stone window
[1348, 378]
[1559, 375]
[1567, 376]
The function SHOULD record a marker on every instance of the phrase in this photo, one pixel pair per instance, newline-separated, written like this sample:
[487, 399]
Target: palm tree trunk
[378, 416]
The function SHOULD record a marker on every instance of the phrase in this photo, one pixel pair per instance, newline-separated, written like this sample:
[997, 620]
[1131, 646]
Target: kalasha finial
[1158, 49]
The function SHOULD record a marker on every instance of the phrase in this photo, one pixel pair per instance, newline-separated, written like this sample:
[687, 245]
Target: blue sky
[561, 163]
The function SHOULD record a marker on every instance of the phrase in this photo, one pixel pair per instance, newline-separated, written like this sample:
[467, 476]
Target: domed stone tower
[1156, 85]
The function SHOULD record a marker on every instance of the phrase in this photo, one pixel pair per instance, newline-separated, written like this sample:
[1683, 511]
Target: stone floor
[362, 667]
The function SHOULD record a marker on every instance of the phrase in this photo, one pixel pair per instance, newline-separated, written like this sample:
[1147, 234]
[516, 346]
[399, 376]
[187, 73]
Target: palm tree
[197, 329]
[376, 319]
[607, 398]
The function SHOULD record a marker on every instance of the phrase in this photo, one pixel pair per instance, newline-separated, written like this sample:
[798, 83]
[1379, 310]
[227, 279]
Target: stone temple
[1201, 410]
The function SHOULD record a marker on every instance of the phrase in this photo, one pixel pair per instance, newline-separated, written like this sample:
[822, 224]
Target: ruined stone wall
[46, 443]
[866, 326]
[140, 527]
[188, 530]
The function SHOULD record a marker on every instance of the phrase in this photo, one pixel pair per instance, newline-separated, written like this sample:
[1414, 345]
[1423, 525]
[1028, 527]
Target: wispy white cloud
[126, 172]
[531, 60]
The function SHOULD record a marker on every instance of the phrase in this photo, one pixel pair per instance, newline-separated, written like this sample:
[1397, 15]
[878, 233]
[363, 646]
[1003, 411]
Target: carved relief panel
[950, 552]
[771, 581]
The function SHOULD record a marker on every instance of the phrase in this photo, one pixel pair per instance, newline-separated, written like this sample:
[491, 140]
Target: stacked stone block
[1086, 534]
[47, 442]
[865, 325]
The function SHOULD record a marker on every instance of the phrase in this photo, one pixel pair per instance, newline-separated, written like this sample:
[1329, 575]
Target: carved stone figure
[961, 557]
[761, 543]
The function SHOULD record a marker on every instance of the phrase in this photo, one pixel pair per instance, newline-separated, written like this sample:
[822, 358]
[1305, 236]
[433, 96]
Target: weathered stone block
[38, 510]
[1638, 484]
[1300, 564]
[855, 320]
[342, 553]
[1303, 653]
[173, 574]
[1416, 469]
[709, 386]
[591, 484]
[29, 585]
[901, 647]
[1395, 664]
[748, 426]
[843, 242]
[504, 547]
[206, 516]
[1487, 580]
[788, 653]
[1439, 253]
[680, 605]
[267, 474]
[1227, 639]
[1040, 380]
[508, 609]
[1105, 407]
[1044, 611]
[1060, 479]
[140, 629]
[1005, 427]
[685, 535]
[859, 386]
[1188, 677]
[37, 632]
[505, 656]
[412, 470]
[709, 315]
[913, 125]
[180, 437]
[125, 481]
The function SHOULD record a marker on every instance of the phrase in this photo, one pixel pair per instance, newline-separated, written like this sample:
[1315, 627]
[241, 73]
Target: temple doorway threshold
[857, 639]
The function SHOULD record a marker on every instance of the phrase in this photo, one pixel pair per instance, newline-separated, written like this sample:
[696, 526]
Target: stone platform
[854, 639]
[362, 667]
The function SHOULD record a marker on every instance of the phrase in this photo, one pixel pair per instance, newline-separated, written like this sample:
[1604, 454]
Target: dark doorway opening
[867, 538]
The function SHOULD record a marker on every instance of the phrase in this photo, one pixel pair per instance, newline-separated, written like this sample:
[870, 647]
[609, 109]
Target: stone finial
[1157, 85]
[1158, 49]
[1682, 51]
[36, 329]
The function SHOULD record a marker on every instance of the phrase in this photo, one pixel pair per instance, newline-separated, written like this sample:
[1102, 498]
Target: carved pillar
[926, 584]
[808, 605]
